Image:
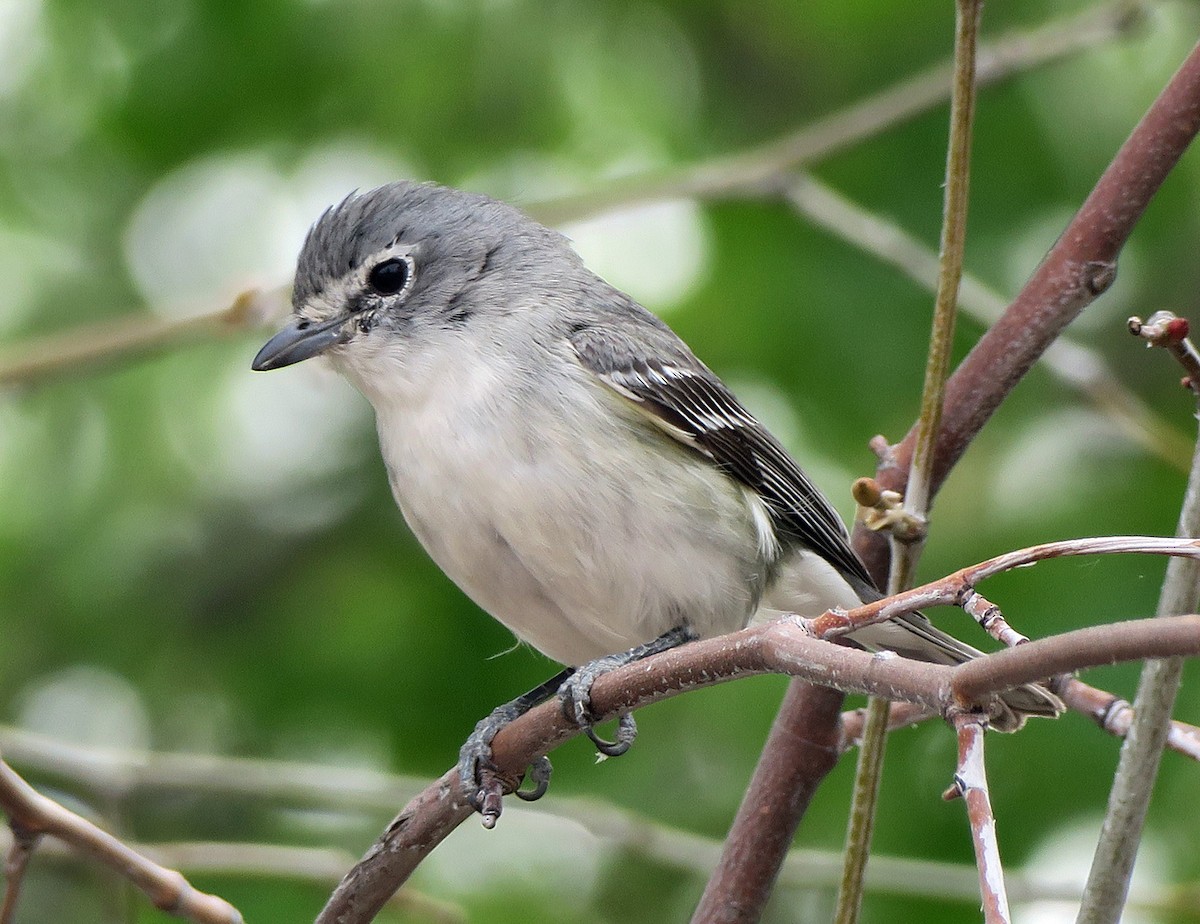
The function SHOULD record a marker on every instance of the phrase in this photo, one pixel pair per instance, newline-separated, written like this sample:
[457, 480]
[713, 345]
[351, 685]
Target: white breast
[576, 554]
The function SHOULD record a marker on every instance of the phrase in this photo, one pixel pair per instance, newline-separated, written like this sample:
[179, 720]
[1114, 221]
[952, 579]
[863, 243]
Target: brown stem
[36, 815]
[1080, 266]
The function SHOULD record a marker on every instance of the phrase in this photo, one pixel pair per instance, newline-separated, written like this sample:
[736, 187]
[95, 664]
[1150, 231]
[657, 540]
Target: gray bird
[562, 455]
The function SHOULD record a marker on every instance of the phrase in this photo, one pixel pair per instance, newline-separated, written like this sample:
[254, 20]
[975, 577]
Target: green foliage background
[155, 594]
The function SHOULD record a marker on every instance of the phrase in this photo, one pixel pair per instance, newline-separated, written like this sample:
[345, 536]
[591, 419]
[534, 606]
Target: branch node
[990, 618]
[1098, 275]
[1168, 330]
[1115, 718]
[884, 451]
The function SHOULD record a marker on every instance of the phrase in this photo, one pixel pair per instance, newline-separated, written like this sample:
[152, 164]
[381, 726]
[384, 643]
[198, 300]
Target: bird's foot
[575, 694]
[576, 697]
[479, 777]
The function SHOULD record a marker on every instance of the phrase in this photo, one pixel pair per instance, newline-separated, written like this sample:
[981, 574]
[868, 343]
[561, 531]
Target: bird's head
[384, 270]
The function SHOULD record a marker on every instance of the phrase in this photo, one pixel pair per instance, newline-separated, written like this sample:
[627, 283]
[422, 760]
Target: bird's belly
[578, 559]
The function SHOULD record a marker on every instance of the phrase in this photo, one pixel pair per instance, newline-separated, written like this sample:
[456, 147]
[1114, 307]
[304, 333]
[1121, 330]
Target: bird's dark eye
[389, 277]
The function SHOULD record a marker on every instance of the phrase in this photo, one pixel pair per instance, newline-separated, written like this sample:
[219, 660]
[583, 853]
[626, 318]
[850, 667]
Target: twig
[991, 620]
[1133, 782]
[907, 546]
[748, 172]
[1080, 266]
[971, 783]
[1167, 330]
[35, 815]
[87, 347]
[954, 235]
[860, 827]
[1114, 715]
[1076, 365]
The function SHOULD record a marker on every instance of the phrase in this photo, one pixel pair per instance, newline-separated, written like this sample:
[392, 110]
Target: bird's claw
[626, 735]
[539, 773]
[576, 698]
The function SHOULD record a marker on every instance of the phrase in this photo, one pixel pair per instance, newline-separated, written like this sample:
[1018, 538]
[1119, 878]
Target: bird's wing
[685, 399]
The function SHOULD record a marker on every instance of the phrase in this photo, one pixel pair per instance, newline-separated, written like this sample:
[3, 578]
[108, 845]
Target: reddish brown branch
[1161, 638]
[1080, 266]
[786, 646]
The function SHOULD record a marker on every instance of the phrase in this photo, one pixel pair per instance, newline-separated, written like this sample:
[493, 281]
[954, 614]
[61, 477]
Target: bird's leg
[576, 689]
[475, 769]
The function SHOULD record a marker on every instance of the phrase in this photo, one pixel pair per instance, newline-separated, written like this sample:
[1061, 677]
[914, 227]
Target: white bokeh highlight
[657, 252]
[1044, 463]
[86, 706]
[227, 223]
[1062, 862]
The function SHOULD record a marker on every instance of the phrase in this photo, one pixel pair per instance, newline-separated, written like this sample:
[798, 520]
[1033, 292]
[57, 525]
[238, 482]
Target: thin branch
[88, 347]
[860, 827]
[907, 545]
[1114, 715]
[954, 236]
[991, 620]
[1167, 330]
[1121, 833]
[1073, 363]
[748, 172]
[34, 814]
[971, 783]
[1080, 266]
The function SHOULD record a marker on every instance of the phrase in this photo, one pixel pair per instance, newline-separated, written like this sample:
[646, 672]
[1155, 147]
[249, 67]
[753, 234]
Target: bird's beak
[298, 341]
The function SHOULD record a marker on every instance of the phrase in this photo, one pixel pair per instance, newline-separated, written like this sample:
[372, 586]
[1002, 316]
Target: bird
[563, 456]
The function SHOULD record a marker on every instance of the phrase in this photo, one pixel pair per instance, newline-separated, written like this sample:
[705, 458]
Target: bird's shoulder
[638, 356]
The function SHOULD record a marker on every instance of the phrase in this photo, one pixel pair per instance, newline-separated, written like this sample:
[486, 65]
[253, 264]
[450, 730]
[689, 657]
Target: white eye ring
[390, 276]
